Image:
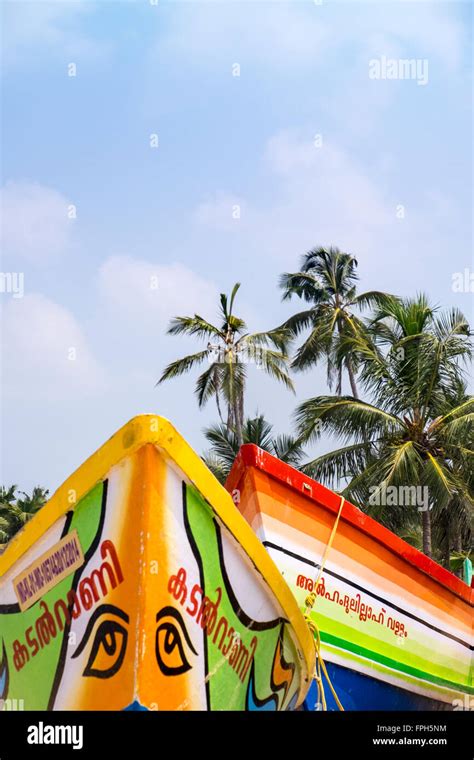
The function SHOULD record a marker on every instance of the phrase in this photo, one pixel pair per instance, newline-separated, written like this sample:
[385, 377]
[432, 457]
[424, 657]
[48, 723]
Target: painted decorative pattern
[167, 603]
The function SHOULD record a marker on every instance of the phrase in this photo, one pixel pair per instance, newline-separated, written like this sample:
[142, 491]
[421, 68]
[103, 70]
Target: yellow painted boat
[139, 585]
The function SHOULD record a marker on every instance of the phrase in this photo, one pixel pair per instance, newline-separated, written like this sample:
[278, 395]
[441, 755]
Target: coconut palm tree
[418, 432]
[327, 281]
[257, 430]
[16, 512]
[230, 349]
[7, 499]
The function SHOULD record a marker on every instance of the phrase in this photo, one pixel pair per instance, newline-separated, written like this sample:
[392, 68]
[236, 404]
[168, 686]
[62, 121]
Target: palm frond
[181, 366]
[232, 297]
[288, 449]
[274, 363]
[208, 384]
[216, 466]
[224, 443]
[335, 466]
[372, 298]
[195, 325]
[305, 285]
[346, 418]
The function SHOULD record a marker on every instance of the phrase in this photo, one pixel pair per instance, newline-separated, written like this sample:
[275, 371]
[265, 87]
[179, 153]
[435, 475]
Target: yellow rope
[320, 666]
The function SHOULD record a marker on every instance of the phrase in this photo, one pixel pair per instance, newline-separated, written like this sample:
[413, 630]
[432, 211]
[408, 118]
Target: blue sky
[166, 212]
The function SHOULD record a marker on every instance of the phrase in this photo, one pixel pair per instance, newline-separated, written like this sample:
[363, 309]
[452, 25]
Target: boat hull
[140, 586]
[361, 692]
[395, 627]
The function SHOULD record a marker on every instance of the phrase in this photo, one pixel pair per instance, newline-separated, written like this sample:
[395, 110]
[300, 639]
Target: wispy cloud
[284, 35]
[34, 28]
[276, 34]
[37, 222]
[46, 350]
[144, 296]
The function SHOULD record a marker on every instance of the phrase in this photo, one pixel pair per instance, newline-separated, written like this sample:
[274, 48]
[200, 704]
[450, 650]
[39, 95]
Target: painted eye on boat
[109, 643]
[171, 642]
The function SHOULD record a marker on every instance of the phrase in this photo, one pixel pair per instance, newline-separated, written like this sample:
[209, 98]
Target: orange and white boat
[396, 628]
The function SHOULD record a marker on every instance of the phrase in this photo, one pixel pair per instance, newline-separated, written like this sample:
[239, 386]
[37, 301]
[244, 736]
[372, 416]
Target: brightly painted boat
[396, 628]
[139, 585]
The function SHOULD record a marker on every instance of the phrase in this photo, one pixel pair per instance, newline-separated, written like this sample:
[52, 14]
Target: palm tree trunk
[239, 417]
[457, 546]
[447, 548]
[457, 543]
[238, 426]
[241, 407]
[426, 525]
[350, 371]
[218, 404]
[230, 421]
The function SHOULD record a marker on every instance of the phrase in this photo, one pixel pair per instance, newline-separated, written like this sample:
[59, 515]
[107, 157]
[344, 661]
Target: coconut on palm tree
[417, 435]
[257, 430]
[327, 282]
[230, 349]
